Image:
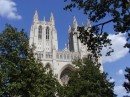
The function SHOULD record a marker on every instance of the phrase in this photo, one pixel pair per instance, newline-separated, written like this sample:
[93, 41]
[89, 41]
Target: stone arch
[64, 73]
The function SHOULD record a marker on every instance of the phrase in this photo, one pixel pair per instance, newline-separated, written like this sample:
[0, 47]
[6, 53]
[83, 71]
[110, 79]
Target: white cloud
[120, 72]
[120, 91]
[118, 42]
[111, 80]
[8, 9]
[120, 81]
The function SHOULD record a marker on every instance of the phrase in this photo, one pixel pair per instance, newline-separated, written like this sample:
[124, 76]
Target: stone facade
[43, 35]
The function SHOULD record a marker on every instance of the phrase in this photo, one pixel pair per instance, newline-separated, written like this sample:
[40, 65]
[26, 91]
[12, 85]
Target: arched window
[57, 56]
[68, 56]
[47, 33]
[64, 56]
[40, 33]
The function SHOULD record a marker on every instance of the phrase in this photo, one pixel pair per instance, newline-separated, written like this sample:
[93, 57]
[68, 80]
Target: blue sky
[19, 13]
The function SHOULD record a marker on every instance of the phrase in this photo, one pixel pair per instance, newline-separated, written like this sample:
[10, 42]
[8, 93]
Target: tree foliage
[127, 76]
[88, 81]
[20, 73]
[101, 13]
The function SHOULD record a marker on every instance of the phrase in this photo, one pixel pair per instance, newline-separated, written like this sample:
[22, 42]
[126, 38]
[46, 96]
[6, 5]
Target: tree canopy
[127, 76]
[20, 73]
[102, 13]
[88, 81]
[98, 12]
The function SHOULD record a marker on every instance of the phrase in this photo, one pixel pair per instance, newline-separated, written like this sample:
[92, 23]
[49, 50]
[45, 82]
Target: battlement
[60, 55]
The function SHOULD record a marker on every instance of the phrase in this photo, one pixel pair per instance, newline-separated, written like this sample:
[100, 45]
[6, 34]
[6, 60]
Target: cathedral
[43, 35]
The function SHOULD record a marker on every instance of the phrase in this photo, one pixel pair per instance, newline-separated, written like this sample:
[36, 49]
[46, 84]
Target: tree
[20, 73]
[98, 12]
[127, 76]
[88, 81]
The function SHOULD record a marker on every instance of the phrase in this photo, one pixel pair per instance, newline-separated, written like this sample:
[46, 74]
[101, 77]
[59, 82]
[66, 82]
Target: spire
[69, 30]
[75, 24]
[66, 48]
[52, 19]
[35, 18]
[65, 45]
[82, 24]
[88, 23]
[44, 19]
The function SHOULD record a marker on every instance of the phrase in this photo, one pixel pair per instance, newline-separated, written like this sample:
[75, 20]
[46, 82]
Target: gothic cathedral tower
[74, 43]
[43, 34]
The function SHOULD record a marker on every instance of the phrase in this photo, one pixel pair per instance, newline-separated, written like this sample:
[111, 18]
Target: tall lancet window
[47, 33]
[40, 33]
